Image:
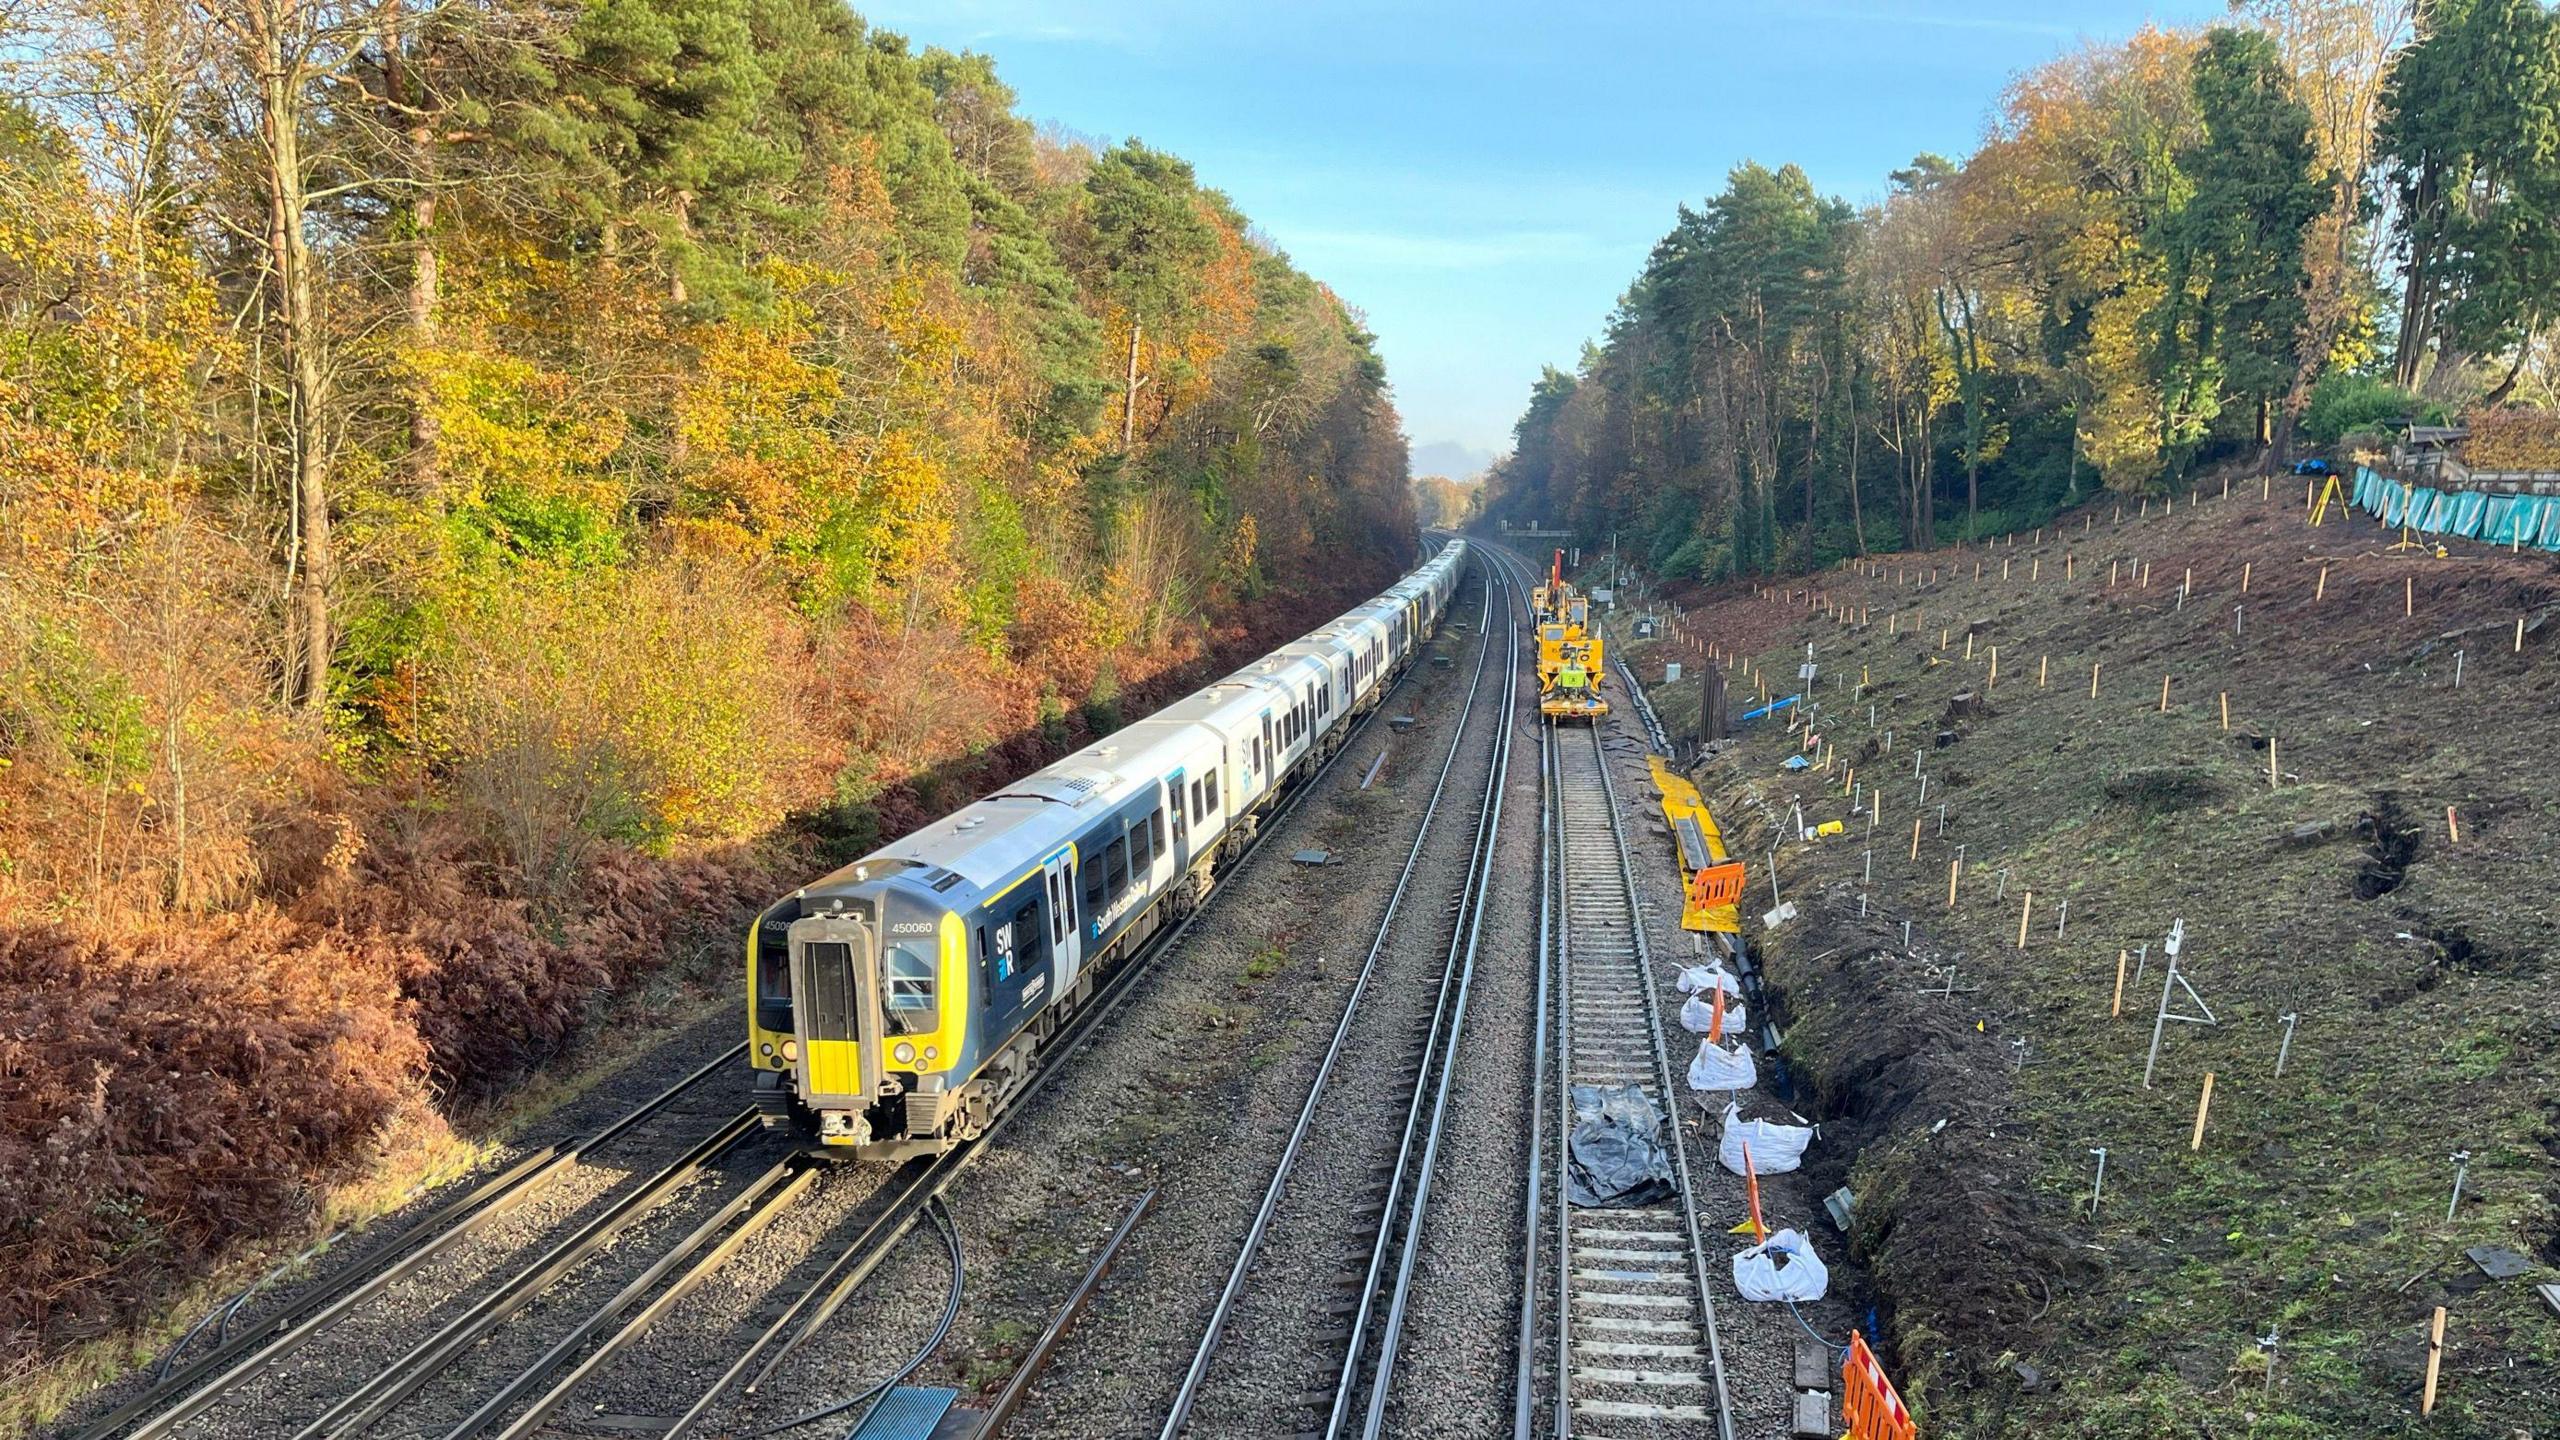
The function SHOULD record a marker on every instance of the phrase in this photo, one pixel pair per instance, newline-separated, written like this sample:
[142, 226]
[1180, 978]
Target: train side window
[1213, 792]
[1142, 851]
[1197, 814]
[1181, 831]
[1116, 861]
[1094, 876]
[1155, 826]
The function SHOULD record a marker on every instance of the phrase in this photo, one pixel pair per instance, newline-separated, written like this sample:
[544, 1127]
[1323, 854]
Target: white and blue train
[896, 1006]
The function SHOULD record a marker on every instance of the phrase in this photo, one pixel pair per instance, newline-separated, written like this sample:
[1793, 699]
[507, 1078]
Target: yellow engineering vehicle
[1571, 655]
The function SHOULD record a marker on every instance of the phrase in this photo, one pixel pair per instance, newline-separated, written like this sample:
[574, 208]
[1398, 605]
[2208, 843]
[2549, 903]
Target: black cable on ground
[872, 1398]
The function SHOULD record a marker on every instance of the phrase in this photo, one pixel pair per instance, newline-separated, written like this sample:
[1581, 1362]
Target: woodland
[493, 490]
[2226, 246]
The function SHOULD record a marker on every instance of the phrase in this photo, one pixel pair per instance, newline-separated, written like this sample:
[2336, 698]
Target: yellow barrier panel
[1712, 882]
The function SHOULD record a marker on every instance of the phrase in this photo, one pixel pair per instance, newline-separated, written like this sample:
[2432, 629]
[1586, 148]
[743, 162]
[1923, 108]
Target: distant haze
[1451, 458]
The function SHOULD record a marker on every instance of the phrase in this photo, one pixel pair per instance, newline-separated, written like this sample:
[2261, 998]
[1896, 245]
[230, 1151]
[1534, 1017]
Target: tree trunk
[298, 335]
[409, 103]
[1857, 519]
[1129, 391]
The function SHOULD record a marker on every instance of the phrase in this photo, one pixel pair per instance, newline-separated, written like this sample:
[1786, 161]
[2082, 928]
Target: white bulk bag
[1695, 980]
[1775, 1148]
[1723, 1067]
[1698, 1015]
[1782, 1267]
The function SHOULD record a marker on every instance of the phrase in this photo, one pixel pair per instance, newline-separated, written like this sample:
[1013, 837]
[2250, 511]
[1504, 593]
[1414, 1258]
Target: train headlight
[791, 1050]
[931, 1054]
[765, 1049]
[905, 1052]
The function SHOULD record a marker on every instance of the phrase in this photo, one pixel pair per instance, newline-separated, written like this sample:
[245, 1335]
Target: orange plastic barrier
[1868, 1401]
[1715, 1019]
[1716, 885]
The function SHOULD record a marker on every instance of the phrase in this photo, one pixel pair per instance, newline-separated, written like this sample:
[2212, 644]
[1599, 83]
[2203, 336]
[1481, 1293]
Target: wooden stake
[2035, 569]
[1995, 669]
[2244, 575]
[2204, 1102]
[1968, 644]
[2112, 566]
[2093, 679]
[2226, 712]
[1953, 866]
[2519, 634]
[1915, 836]
[2041, 662]
[2164, 694]
[2452, 827]
[2322, 593]
[2026, 907]
[2118, 1011]
[2408, 595]
[2066, 564]
[2435, 1360]
[2275, 777]
[1875, 810]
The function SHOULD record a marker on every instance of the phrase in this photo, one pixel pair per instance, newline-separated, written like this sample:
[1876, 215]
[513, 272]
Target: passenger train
[896, 1006]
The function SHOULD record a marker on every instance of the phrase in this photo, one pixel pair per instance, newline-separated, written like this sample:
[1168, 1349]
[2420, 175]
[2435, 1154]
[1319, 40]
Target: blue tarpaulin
[2465, 514]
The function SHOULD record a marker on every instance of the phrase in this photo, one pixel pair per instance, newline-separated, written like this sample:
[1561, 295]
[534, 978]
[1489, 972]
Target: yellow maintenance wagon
[1571, 655]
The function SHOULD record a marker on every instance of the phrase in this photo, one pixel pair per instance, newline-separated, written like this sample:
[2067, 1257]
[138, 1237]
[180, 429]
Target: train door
[1180, 850]
[1066, 938]
[837, 1006]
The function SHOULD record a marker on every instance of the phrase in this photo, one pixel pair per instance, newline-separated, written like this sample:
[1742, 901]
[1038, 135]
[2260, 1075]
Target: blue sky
[1484, 179]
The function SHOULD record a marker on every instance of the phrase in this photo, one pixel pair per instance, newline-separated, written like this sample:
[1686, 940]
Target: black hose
[872, 1398]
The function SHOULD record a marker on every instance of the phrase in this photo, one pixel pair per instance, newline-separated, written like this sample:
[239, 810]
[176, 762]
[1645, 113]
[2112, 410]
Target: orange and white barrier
[1868, 1401]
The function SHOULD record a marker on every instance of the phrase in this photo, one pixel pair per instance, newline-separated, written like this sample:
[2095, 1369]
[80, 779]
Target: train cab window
[909, 1004]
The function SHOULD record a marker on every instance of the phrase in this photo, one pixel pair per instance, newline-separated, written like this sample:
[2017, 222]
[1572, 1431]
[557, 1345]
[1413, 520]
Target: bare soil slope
[1973, 1077]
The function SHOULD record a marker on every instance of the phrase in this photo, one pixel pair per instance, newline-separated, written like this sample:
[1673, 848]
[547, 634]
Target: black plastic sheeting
[1615, 1158]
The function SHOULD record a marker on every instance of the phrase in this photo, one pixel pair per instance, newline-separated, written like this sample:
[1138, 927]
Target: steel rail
[1188, 1392]
[1524, 1378]
[845, 1273]
[1009, 1400]
[1440, 1046]
[369, 1402]
[1679, 1148]
[1662, 1067]
[1462, 952]
[307, 1316]
[791, 1168]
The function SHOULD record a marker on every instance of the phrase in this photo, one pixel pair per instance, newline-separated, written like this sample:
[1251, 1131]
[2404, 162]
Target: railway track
[190, 1389]
[1633, 1349]
[1337, 1191]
